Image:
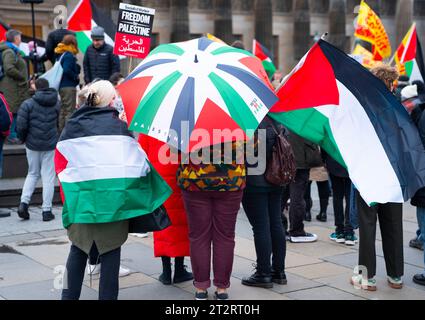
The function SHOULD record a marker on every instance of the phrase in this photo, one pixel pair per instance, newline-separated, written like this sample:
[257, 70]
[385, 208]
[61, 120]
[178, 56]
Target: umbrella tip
[196, 58]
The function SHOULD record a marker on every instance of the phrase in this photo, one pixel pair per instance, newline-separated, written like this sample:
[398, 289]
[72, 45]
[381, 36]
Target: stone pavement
[31, 251]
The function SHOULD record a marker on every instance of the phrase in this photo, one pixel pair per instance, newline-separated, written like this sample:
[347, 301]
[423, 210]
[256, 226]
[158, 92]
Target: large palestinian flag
[24, 49]
[262, 53]
[85, 16]
[331, 100]
[408, 57]
[104, 174]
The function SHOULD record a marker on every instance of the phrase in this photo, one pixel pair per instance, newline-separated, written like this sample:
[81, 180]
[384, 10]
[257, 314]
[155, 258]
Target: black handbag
[155, 221]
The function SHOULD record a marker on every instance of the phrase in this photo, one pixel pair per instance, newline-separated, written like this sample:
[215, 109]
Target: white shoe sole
[303, 239]
[340, 240]
[350, 243]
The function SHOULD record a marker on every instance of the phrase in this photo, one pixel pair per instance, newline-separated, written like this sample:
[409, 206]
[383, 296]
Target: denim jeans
[420, 212]
[264, 215]
[13, 134]
[40, 165]
[109, 274]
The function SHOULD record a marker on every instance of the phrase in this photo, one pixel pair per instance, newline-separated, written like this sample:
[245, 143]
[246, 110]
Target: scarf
[62, 48]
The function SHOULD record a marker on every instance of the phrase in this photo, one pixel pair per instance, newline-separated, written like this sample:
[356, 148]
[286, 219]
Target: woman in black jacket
[262, 205]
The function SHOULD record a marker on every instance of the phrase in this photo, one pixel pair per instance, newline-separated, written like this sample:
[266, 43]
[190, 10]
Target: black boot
[165, 276]
[180, 272]
[23, 211]
[48, 216]
[322, 216]
[261, 280]
[279, 277]
[307, 216]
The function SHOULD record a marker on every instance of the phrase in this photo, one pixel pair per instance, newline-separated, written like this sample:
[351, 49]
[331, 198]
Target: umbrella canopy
[198, 84]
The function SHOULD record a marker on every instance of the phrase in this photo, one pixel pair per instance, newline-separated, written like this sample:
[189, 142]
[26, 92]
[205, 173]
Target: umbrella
[185, 90]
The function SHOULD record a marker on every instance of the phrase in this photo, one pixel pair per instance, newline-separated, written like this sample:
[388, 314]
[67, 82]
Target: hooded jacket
[14, 84]
[37, 123]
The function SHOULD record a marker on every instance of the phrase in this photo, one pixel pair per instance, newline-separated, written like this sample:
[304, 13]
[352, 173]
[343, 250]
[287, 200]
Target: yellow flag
[214, 38]
[370, 28]
[366, 57]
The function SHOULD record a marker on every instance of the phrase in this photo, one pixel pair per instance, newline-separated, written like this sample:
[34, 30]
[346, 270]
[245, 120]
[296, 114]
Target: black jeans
[391, 224]
[75, 268]
[263, 212]
[295, 192]
[324, 193]
[341, 189]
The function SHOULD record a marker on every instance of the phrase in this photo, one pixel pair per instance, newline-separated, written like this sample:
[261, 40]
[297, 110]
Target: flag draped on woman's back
[332, 100]
[104, 174]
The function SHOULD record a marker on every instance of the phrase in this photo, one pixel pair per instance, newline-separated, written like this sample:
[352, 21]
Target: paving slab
[384, 292]
[154, 291]
[245, 248]
[21, 237]
[50, 252]
[319, 270]
[138, 257]
[319, 249]
[322, 293]
[20, 270]
[132, 280]
[42, 290]
[295, 283]
[294, 259]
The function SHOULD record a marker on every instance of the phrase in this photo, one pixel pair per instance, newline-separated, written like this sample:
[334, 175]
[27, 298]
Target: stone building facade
[295, 23]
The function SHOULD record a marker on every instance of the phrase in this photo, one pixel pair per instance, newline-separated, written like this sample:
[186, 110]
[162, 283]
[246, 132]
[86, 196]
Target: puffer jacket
[37, 123]
[100, 63]
[173, 241]
[14, 84]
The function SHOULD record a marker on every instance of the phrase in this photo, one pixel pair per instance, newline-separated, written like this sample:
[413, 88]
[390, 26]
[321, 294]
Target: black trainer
[221, 296]
[279, 278]
[260, 280]
[416, 243]
[48, 216]
[201, 295]
[322, 217]
[23, 211]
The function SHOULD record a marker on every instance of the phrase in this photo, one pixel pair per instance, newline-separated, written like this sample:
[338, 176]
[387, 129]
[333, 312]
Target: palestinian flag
[104, 174]
[85, 16]
[331, 100]
[265, 56]
[408, 57]
[4, 27]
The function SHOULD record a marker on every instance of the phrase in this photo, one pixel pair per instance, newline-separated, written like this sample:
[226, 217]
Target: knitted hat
[101, 94]
[409, 92]
[98, 33]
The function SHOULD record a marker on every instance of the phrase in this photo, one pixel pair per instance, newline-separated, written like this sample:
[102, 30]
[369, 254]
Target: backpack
[281, 167]
[4, 102]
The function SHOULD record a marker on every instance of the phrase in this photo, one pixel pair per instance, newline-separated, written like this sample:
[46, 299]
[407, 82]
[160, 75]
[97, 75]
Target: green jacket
[14, 84]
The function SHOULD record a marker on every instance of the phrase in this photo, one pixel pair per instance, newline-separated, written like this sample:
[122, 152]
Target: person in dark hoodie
[37, 127]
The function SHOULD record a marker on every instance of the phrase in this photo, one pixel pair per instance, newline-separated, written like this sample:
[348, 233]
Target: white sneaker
[307, 237]
[140, 235]
[358, 282]
[124, 272]
[93, 269]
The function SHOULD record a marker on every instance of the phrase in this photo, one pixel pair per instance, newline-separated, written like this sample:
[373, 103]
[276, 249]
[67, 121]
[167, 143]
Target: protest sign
[134, 29]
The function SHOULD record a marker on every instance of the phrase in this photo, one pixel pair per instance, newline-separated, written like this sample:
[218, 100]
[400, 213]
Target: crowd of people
[206, 196]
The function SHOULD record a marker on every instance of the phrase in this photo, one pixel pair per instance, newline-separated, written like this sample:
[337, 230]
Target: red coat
[173, 241]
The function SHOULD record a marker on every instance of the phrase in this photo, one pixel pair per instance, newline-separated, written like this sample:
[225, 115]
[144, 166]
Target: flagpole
[130, 63]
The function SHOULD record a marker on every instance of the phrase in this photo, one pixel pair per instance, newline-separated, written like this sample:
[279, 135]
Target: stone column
[404, 19]
[337, 35]
[179, 12]
[264, 22]
[223, 28]
[302, 38]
